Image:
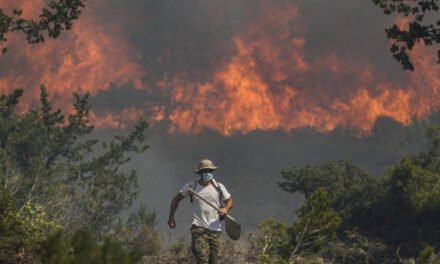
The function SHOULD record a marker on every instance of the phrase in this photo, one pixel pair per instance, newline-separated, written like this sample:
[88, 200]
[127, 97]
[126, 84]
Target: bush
[12, 229]
[83, 248]
[21, 231]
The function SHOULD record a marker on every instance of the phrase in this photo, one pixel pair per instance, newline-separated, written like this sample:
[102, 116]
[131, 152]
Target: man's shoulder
[224, 191]
[185, 189]
[221, 185]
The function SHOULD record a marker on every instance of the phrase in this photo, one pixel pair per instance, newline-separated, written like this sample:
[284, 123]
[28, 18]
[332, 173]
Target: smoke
[89, 59]
[230, 67]
[256, 86]
[270, 83]
[249, 166]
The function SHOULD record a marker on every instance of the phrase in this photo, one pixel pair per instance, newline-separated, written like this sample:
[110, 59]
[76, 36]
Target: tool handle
[210, 204]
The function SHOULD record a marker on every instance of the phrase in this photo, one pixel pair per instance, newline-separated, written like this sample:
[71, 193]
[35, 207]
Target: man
[206, 227]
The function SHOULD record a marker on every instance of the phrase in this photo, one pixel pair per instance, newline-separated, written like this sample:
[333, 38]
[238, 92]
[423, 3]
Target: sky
[256, 86]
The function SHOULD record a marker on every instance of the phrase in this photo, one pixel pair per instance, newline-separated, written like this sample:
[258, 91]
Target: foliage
[428, 256]
[21, 230]
[351, 189]
[384, 219]
[315, 228]
[419, 29]
[408, 213]
[414, 185]
[139, 232]
[53, 175]
[316, 225]
[51, 160]
[35, 223]
[274, 243]
[57, 16]
[11, 228]
[83, 248]
[354, 248]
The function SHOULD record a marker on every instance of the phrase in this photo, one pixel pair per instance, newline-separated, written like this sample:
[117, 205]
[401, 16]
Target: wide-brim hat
[206, 164]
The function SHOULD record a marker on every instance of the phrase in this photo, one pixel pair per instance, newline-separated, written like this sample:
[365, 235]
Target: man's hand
[228, 206]
[173, 208]
[223, 211]
[171, 222]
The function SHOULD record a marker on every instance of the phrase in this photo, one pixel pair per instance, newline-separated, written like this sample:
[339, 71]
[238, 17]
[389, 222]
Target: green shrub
[83, 248]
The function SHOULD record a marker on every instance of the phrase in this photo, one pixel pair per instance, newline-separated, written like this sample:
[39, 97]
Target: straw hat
[205, 164]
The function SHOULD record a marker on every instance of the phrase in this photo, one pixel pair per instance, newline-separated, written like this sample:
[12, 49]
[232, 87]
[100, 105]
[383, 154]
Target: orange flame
[269, 83]
[85, 59]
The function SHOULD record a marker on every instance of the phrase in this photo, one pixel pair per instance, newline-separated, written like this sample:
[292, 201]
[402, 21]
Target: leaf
[17, 12]
[394, 48]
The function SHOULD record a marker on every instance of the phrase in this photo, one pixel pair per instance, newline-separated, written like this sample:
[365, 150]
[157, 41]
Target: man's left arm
[229, 203]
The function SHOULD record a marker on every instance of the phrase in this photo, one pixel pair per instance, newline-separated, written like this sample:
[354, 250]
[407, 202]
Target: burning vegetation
[56, 180]
[265, 81]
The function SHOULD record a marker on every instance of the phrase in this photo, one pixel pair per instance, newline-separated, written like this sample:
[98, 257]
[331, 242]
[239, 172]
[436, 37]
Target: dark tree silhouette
[419, 29]
[57, 16]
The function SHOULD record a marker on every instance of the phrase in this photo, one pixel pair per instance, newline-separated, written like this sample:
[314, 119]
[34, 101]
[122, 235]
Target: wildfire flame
[268, 83]
[86, 59]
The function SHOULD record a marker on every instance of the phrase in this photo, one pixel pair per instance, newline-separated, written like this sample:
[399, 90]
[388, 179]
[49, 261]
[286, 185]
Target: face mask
[206, 176]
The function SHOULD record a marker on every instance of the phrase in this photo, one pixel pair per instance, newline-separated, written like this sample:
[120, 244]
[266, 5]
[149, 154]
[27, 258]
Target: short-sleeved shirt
[204, 215]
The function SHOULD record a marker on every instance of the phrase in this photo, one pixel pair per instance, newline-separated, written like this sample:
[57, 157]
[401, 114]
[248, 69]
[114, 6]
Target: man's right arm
[173, 208]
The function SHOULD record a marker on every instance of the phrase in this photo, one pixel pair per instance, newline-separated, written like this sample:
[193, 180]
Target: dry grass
[236, 252]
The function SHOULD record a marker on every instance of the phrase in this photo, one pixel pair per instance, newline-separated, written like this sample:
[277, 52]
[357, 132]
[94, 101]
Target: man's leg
[214, 245]
[200, 244]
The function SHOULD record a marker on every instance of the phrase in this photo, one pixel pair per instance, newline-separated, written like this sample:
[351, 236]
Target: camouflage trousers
[205, 245]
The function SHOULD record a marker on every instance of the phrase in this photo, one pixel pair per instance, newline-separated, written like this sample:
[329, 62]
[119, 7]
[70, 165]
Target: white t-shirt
[204, 215]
